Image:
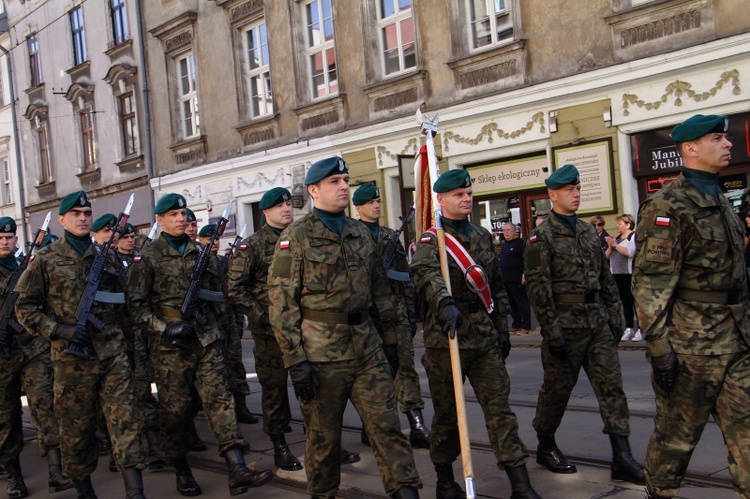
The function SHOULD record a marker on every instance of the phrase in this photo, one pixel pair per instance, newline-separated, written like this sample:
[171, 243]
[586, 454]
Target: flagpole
[429, 128]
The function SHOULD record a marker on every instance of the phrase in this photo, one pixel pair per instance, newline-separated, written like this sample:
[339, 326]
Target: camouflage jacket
[315, 269]
[248, 278]
[51, 288]
[158, 282]
[30, 345]
[479, 329]
[402, 291]
[686, 241]
[558, 262]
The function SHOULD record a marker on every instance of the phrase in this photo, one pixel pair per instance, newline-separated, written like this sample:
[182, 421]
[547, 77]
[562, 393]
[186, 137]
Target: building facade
[78, 68]
[246, 94]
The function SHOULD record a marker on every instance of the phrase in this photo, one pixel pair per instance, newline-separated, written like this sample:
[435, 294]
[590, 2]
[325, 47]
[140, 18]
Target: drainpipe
[146, 106]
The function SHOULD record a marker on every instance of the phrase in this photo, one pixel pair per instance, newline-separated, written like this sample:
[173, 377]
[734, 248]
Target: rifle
[150, 237]
[91, 292]
[190, 308]
[391, 248]
[229, 252]
[9, 296]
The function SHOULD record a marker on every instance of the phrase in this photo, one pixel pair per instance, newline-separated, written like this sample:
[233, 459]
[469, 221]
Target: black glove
[503, 341]
[559, 349]
[304, 380]
[264, 321]
[617, 331]
[74, 334]
[449, 316]
[665, 371]
[391, 353]
[181, 329]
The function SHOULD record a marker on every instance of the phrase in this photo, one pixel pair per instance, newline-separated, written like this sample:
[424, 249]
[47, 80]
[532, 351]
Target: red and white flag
[424, 217]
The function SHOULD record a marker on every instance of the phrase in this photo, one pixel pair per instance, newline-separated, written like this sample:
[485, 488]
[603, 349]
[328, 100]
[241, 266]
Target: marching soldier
[25, 363]
[367, 202]
[323, 282]
[479, 316]
[191, 229]
[186, 354]
[49, 293]
[576, 301]
[690, 289]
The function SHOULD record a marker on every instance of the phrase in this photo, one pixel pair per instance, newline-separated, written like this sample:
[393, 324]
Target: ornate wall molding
[490, 130]
[412, 145]
[682, 89]
[258, 181]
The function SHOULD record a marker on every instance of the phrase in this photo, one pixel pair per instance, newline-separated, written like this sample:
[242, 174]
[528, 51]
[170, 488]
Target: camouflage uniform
[481, 360]
[690, 288]
[574, 296]
[248, 291]
[157, 286]
[316, 273]
[48, 295]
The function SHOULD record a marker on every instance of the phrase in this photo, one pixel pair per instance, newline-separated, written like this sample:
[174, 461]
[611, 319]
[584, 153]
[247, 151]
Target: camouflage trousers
[407, 379]
[81, 387]
[35, 376]
[177, 371]
[368, 383]
[273, 380]
[717, 385]
[146, 405]
[594, 350]
[486, 372]
[236, 374]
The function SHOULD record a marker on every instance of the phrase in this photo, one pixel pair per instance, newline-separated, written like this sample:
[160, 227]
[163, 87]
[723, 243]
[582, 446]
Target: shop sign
[594, 163]
[508, 176]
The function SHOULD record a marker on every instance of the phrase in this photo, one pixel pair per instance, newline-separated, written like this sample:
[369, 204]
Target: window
[45, 174]
[7, 197]
[188, 96]
[35, 64]
[128, 124]
[85, 117]
[79, 40]
[119, 21]
[490, 21]
[396, 27]
[3, 100]
[321, 52]
[258, 72]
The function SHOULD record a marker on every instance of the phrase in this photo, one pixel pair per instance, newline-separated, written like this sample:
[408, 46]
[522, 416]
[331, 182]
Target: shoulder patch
[243, 247]
[425, 239]
[136, 259]
[658, 250]
[284, 244]
[31, 258]
[663, 221]
[533, 239]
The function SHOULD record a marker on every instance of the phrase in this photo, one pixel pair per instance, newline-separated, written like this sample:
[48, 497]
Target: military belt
[592, 297]
[334, 317]
[727, 297]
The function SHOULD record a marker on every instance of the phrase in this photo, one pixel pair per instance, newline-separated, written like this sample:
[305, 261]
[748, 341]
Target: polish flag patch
[284, 244]
[663, 221]
[31, 258]
[136, 259]
[243, 247]
[533, 239]
[425, 239]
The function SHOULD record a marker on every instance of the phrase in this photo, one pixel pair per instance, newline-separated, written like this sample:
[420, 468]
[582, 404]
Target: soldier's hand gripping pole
[429, 128]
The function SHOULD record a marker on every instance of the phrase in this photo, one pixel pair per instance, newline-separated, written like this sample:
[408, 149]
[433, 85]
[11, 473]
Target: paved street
[579, 437]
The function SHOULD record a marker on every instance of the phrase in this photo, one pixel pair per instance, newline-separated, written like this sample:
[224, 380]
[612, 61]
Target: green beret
[207, 230]
[452, 179]
[365, 193]
[129, 229]
[7, 224]
[48, 238]
[102, 222]
[191, 215]
[170, 202]
[325, 168]
[275, 196]
[72, 200]
[697, 126]
[567, 175]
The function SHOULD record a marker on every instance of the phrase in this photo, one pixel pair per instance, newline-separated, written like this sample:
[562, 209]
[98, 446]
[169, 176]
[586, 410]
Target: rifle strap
[109, 297]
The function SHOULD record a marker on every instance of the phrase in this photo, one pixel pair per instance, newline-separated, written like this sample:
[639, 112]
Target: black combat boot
[186, 484]
[157, 460]
[196, 444]
[624, 465]
[406, 493]
[243, 413]
[552, 458]
[16, 485]
[520, 484]
[347, 457]
[282, 456]
[363, 437]
[113, 463]
[84, 488]
[654, 495]
[133, 484]
[419, 436]
[446, 487]
[240, 477]
[57, 481]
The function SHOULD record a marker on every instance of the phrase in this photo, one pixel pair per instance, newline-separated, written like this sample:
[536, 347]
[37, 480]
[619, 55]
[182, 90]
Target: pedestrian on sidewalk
[575, 299]
[690, 288]
[620, 253]
[511, 269]
[598, 223]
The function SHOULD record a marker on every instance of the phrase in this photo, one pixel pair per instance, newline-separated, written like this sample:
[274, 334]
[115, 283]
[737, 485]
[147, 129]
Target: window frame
[330, 86]
[35, 59]
[188, 97]
[7, 194]
[119, 18]
[78, 35]
[397, 19]
[88, 139]
[262, 72]
[493, 15]
[45, 165]
[128, 122]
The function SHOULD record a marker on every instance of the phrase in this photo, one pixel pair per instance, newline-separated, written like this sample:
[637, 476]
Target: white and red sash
[473, 272]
